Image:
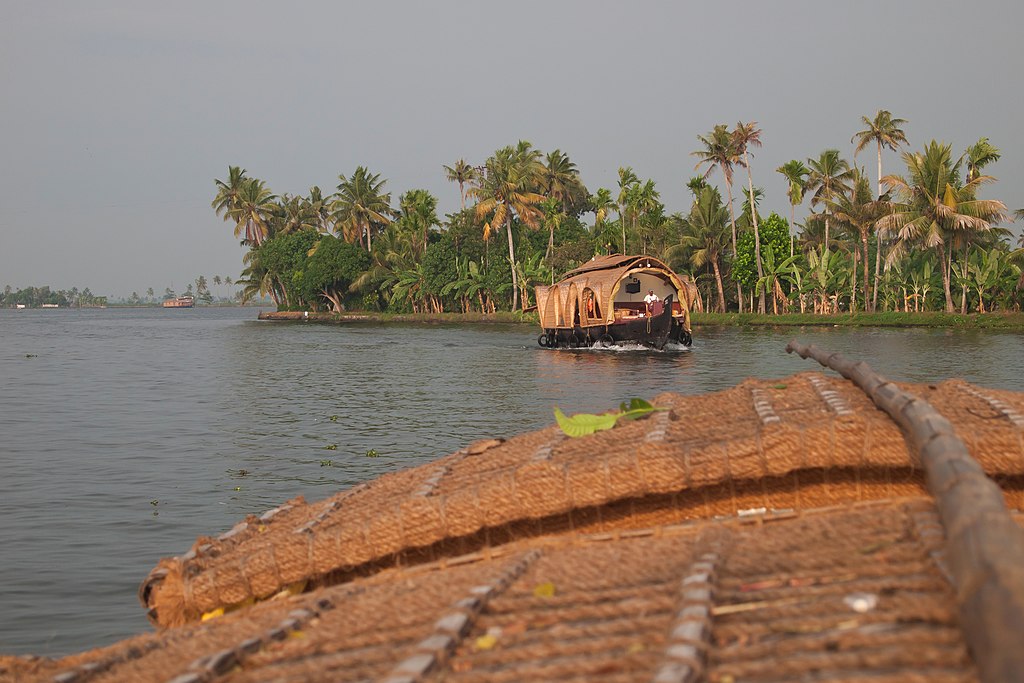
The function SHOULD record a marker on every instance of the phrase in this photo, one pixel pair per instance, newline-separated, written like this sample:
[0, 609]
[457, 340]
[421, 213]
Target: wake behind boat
[616, 299]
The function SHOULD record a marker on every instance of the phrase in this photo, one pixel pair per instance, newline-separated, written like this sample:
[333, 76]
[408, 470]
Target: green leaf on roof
[584, 424]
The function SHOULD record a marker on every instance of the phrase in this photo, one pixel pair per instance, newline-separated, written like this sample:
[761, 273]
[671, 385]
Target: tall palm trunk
[757, 235]
[864, 243]
[512, 262]
[622, 224]
[732, 222]
[878, 239]
[945, 278]
[719, 285]
[853, 280]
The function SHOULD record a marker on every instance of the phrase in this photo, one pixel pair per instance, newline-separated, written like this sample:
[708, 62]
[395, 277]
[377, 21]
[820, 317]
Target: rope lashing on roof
[984, 547]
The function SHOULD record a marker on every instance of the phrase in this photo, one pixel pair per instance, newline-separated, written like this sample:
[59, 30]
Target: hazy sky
[116, 117]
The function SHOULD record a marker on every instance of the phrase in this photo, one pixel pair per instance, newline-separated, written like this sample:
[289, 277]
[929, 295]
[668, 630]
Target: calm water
[124, 434]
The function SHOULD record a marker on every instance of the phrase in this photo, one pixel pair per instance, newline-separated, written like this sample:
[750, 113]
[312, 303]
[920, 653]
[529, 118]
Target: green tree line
[34, 297]
[920, 240]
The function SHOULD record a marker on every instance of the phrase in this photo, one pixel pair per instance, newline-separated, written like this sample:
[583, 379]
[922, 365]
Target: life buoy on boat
[684, 337]
[606, 340]
[574, 341]
[542, 340]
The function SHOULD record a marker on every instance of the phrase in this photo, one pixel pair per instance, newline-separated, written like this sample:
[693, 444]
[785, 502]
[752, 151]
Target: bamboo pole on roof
[984, 546]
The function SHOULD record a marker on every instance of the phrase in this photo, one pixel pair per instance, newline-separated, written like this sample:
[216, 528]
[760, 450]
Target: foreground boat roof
[778, 530]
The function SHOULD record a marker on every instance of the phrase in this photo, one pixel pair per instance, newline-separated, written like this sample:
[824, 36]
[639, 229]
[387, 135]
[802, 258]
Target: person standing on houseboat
[650, 300]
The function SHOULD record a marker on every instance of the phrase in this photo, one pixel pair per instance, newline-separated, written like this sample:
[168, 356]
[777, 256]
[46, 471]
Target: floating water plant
[372, 453]
[326, 463]
[583, 424]
[331, 447]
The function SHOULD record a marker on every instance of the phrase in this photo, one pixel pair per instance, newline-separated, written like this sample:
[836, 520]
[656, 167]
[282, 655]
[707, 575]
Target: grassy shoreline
[971, 321]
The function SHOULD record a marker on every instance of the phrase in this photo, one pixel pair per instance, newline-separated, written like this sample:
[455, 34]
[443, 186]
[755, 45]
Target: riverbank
[975, 321]
[987, 321]
[427, 318]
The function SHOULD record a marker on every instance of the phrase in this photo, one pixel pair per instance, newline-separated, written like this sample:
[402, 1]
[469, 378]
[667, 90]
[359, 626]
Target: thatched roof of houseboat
[808, 528]
[602, 275]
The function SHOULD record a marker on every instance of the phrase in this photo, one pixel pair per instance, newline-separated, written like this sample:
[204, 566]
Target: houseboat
[180, 302]
[616, 299]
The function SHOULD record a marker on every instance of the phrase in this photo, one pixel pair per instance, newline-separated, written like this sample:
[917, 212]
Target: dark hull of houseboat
[653, 332]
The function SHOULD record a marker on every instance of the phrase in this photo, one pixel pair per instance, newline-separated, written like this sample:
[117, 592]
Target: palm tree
[884, 131]
[825, 276]
[297, 213]
[320, 208]
[361, 203]
[561, 180]
[856, 211]
[553, 216]
[696, 185]
[643, 201]
[602, 203]
[830, 174]
[460, 173]
[227, 192]
[745, 136]
[706, 236]
[472, 282]
[255, 206]
[393, 253]
[531, 273]
[418, 215]
[795, 173]
[256, 279]
[776, 270]
[508, 188]
[627, 180]
[978, 156]
[247, 202]
[719, 152]
[934, 206]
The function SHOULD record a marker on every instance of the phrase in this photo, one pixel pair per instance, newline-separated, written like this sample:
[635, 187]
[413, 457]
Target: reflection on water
[127, 433]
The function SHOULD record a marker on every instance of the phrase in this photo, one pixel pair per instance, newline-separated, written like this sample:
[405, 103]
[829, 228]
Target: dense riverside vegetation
[920, 241]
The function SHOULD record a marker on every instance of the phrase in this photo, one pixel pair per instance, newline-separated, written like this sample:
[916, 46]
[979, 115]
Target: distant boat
[180, 302]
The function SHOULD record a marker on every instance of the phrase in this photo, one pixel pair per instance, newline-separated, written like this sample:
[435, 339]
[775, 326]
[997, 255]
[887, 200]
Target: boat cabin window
[590, 304]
